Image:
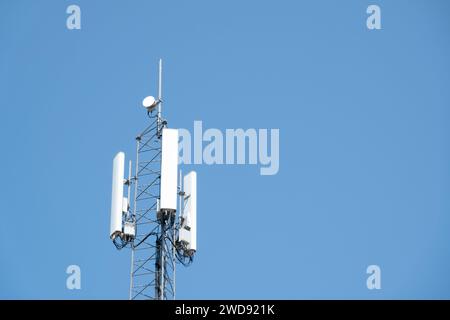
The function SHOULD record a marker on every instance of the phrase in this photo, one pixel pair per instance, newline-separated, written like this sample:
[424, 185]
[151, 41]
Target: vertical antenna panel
[169, 170]
[117, 194]
[190, 207]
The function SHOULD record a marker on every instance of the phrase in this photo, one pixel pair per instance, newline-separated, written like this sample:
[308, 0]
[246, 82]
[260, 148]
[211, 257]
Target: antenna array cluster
[158, 231]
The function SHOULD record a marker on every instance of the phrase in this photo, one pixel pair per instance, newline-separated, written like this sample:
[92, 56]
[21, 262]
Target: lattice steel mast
[153, 264]
[151, 227]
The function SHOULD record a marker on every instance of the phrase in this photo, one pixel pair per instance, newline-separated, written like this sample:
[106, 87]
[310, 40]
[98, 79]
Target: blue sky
[363, 118]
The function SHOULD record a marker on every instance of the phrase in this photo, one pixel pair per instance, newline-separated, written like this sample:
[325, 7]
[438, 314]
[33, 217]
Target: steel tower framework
[153, 250]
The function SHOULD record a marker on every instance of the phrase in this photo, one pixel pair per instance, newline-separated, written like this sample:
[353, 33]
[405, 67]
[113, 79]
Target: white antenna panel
[117, 194]
[169, 170]
[184, 235]
[125, 205]
[190, 207]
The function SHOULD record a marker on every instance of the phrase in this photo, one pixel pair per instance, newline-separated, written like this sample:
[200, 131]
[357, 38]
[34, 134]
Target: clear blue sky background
[364, 143]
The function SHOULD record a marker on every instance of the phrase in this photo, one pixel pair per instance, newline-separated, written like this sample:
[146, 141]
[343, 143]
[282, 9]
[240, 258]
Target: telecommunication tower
[157, 233]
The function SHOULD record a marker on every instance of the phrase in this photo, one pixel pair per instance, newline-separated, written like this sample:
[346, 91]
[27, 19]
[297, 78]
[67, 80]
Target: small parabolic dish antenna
[149, 103]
